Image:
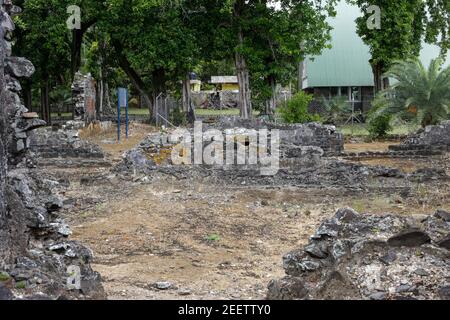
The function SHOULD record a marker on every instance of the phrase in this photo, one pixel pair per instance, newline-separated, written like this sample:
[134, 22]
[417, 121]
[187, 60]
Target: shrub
[296, 110]
[380, 125]
[178, 117]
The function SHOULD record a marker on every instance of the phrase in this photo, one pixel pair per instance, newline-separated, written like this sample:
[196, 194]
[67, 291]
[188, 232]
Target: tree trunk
[186, 93]
[245, 104]
[77, 41]
[188, 106]
[274, 96]
[380, 82]
[27, 94]
[159, 87]
[135, 79]
[45, 108]
[244, 101]
[301, 68]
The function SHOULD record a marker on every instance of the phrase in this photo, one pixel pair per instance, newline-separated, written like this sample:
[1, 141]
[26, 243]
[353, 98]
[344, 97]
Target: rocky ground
[162, 237]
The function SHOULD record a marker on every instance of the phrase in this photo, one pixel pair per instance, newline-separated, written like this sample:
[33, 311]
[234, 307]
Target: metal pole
[118, 116]
[126, 113]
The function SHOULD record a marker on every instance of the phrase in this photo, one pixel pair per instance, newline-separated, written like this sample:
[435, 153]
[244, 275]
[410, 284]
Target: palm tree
[416, 92]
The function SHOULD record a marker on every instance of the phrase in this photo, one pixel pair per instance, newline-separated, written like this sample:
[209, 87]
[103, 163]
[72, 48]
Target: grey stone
[288, 288]
[316, 250]
[339, 249]
[378, 296]
[388, 258]
[184, 292]
[409, 238]
[445, 242]
[7, 23]
[5, 293]
[444, 292]
[309, 265]
[421, 272]
[163, 285]
[328, 229]
[442, 214]
[405, 288]
[346, 214]
[19, 67]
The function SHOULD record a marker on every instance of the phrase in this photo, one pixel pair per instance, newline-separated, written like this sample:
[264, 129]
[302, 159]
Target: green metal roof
[347, 62]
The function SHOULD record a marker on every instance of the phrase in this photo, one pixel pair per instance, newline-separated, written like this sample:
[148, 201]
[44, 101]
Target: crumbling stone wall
[428, 140]
[34, 247]
[3, 159]
[50, 143]
[309, 134]
[84, 97]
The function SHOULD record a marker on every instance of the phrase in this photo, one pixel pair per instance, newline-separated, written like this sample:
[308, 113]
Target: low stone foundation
[431, 140]
[356, 256]
[49, 143]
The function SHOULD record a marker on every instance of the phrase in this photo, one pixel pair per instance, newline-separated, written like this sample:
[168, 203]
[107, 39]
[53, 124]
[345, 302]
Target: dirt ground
[208, 241]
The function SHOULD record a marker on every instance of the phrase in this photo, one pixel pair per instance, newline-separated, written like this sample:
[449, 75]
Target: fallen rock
[19, 67]
[409, 238]
[5, 293]
[444, 292]
[162, 285]
[445, 243]
[442, 214]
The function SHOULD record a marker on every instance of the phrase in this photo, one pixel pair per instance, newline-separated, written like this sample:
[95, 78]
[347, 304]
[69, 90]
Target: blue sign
[122, 97]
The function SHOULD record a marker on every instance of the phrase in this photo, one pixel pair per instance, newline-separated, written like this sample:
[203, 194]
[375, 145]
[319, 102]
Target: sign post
[122, 94]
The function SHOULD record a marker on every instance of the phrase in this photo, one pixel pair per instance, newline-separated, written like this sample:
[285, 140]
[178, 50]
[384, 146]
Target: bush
[178, 117]
[380, 125]
[133, 103]
[296, 110]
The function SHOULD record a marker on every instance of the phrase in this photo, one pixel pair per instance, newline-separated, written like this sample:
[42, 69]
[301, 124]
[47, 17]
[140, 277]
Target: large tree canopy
[405, 24]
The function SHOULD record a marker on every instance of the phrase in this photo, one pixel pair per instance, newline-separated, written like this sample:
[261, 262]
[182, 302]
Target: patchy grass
[4, 277]
[138, 111]
[213, 238]
[360, 130]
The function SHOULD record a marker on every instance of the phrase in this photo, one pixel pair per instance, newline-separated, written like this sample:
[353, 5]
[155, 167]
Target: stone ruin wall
[35, 251]
[84, 97]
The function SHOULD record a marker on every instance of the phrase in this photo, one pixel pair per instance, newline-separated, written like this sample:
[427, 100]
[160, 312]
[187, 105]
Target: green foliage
[404, 25]
[177, 117]
[213, 237]
[419, 93]
[296, 110]
[21, 285]
[4, 276]
[379, 126]
[337, 108]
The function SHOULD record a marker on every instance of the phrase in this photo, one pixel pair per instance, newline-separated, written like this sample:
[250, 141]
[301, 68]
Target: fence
[164, 105]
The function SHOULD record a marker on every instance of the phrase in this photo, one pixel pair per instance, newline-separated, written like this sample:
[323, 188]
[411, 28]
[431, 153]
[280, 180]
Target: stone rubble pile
[35, 251]
[430, 140]
[359, 256]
